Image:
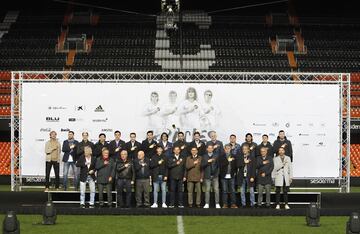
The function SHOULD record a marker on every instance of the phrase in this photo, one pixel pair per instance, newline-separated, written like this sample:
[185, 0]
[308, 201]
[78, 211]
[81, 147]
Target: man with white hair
[87, 164]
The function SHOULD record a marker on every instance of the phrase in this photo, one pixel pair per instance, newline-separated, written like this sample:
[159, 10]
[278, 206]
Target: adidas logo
[99, 109]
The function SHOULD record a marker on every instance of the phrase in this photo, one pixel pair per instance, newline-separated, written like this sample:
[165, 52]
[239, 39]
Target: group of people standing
[198, 165]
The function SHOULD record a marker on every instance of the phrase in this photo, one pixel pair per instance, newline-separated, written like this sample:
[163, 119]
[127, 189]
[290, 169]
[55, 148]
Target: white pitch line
[180, 225]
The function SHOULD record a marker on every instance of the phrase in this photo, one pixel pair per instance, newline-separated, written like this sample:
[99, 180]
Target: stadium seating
[5, 158]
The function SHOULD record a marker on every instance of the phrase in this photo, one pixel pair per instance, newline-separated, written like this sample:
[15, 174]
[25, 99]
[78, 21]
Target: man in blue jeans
[228, 164]
[246, 175]
[87, 163]
[159, 171]
[69, 158]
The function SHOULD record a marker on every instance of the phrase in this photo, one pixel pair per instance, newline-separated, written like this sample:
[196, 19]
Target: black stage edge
[333, 204]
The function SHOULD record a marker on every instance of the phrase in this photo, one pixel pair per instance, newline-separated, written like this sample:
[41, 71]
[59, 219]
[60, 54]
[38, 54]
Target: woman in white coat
[283, 175]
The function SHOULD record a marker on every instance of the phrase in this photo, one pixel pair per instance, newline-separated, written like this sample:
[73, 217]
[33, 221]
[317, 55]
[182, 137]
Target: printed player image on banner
[309, 114]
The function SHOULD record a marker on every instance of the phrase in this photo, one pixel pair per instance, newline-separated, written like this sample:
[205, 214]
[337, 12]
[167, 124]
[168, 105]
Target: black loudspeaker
[49, 214]
[353, 225]
[313, 215]
[11, 224]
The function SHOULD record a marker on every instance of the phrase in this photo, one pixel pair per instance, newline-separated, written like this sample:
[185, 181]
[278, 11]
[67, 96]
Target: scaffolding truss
[340, 79]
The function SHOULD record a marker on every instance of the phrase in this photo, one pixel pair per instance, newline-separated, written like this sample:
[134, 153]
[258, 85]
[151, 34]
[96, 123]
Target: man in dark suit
[125, 178]
[218, 145]
[105, 167]
[210, 168]
[228, 164]
[116, 145]
[182, 144]
[247, 174]
[98, 147]
[69, 158]
[197, 143]
[82, 144]
[142, 174]
[176, 166]
[149, 144]
[165, 144]
[132, 146]
[265, 166]
[87, 163]
[265, 143]
[252, 145]
[283, 142]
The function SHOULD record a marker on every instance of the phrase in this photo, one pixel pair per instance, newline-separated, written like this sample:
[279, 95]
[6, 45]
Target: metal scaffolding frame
[341, 79]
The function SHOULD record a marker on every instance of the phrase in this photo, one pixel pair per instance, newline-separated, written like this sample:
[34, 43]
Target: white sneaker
[287, 207]
[217, 206]
[277, 207]
[206, 206]
[164, 205]
[154, 205]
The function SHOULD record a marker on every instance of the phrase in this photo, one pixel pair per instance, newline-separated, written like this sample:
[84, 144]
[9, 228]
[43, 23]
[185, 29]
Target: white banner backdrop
[309, 114]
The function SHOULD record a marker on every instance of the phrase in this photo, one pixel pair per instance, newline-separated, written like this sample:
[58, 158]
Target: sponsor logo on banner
[311, 124]
[320, 144]
[299, 125]
[257, 134]
[106, 130]
[40, 139]
[303, 134]
[322, 181]
[306, 144]
[100, 120]
[99, 109]
[75, 119]
[80, 108]
[322, 124]
[65, 130]
[287, 125]
[320, 134]
[57, 108]
[52, 119]
[45, 129]
[259, 124]
[272, 134]
[275, 124]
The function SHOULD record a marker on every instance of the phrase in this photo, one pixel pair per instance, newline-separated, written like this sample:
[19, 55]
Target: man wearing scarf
[105, 167]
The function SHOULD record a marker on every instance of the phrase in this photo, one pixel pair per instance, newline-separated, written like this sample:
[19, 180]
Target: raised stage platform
[333, 204]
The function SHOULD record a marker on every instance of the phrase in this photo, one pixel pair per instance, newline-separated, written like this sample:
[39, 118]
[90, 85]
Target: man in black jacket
[80, 148]
[125, 178]
[149, 144]
[98, 147]
[87, 164]
[159, 172]
[142, 173]
[249, 142]
[200, 145]
[69, 158]
[218, 145]
[210, 168]
[176, 166]
[228, 164]
[265, 166]
[265, 143]
[246, 175]
[116, 145]
[105, 167]
[132, 146]
[283, 142]
[182, 144]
